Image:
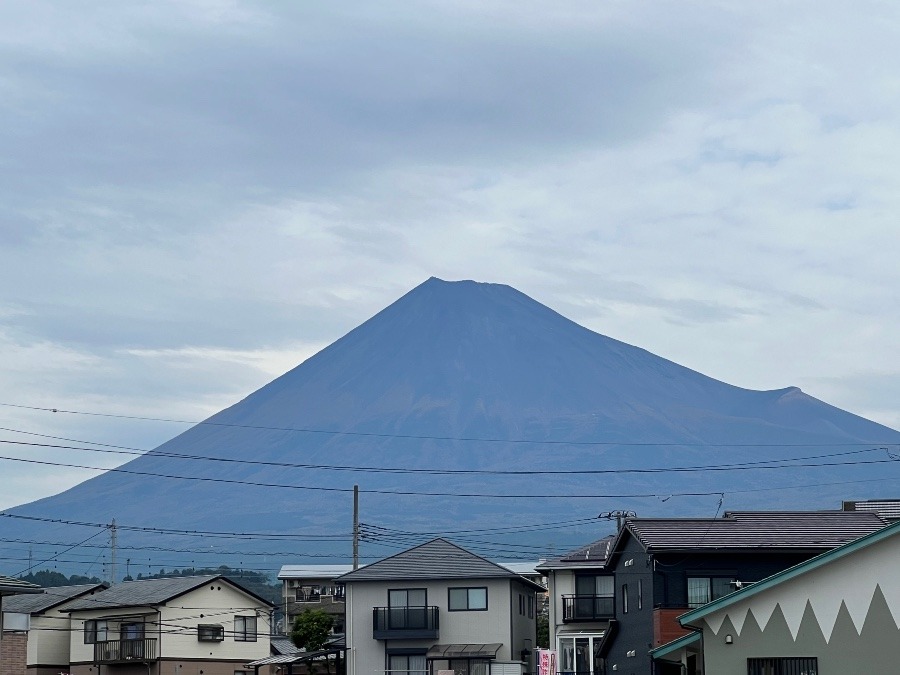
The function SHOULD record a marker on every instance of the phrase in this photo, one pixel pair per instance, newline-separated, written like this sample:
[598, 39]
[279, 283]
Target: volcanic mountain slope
[462, 376]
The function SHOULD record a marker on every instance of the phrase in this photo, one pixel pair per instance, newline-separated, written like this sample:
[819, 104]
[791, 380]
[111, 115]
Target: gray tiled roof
[51, 597]
[592, 555]
[149, 592]
[283, 645]
[10, 585]
[436, 559]
[755, 530]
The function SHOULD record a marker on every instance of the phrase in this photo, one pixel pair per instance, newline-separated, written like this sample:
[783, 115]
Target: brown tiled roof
[755, 530]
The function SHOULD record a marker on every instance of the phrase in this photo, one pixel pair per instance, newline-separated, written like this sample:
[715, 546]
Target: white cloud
[198, 194]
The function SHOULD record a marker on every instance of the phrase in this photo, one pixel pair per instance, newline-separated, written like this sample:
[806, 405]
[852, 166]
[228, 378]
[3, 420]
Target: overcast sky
[197, 195]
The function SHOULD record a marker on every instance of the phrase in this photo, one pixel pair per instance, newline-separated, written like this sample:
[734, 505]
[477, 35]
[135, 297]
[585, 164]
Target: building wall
[13, 653]
[175, 626]
[367, 655]
[635, 631]
[524, 626]
[839, 613]
[48, 640]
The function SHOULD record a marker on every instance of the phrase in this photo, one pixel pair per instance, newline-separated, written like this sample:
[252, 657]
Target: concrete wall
[497, 624]
[839, 613]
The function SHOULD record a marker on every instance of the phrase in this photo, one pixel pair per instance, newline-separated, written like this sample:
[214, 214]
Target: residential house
[313, 587]
[581, 607]
[39, 619]
[665, 567]
[199, 625]
[439, 607]
[13, 641]
[833, 614]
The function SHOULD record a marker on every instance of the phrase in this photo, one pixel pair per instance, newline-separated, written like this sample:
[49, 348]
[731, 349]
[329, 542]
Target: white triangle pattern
[715, 621]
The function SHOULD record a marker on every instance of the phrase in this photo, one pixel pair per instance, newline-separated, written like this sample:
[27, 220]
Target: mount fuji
[481, 382]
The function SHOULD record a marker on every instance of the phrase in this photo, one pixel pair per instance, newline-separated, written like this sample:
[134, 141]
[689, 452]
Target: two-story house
[581, 611]
[39, 621]
[833, 614]
[439, 607]
[667, 566]
[313, 587]
[200, 625]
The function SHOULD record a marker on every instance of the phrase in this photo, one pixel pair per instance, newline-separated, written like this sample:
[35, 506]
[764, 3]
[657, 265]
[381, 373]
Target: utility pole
[356, 527]
[113, 543]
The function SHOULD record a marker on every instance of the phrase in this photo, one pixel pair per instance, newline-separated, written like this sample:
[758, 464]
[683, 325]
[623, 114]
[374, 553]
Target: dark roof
[592, 555]
[888, 509]
[755, 530]
[50, 598]
[149, 592]
[12, 586]
[463, 651]
[436, 559]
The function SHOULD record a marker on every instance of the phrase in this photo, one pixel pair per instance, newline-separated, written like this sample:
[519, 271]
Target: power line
[416, 493]
[743, 466]
[425, 437]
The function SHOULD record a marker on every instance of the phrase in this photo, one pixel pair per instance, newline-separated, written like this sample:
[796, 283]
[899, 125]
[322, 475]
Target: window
[95, 630]
[521, 604]
[210, 632]
[407, 608]
[624, 598]
[406, 664]
[245, 629]
[467, 599]
[133, 630]
[530, 606]
[593, 600]
[640, 594]
[580, 655]
[407, 597]
[701, 590]
[783, 666]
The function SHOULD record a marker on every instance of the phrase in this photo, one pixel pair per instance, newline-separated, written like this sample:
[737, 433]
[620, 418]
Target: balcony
[588, 608]
[403, 623]
[125, 651]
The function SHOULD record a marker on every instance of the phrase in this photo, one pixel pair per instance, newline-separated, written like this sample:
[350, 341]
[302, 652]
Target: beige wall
[561, 582]
[175, 626]
[48, 639]
[500, 623]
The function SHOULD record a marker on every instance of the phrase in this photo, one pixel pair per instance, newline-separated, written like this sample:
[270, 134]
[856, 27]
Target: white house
[438, 607]
[201, 625]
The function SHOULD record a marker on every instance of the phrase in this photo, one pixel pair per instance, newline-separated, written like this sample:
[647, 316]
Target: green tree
[543, 631]
[311, 630]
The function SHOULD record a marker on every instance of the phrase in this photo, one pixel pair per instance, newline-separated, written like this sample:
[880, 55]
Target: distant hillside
[437, 380]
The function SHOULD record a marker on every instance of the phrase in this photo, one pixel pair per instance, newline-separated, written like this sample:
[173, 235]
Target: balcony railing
[588, 607]
[404, 622]
[123, 651]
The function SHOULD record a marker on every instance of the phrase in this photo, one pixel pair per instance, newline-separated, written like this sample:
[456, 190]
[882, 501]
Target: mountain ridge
[449, 363]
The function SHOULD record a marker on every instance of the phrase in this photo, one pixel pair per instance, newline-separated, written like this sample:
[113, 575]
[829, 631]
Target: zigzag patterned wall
[861, 583]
